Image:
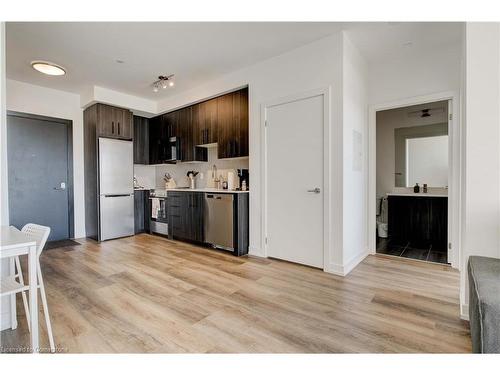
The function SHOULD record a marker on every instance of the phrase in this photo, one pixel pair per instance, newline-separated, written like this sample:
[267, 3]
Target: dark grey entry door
[38, 167]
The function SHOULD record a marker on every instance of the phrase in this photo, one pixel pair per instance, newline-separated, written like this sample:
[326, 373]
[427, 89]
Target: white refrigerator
[116, 189]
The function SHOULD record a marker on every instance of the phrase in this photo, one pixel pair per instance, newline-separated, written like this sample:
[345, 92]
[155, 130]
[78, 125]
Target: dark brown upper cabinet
[141, 140]
[162, 136]
[205, 122]
[222, 120]
[113, 122]
[185, 134]
[240, 123]
[224, 125]
[232, 124]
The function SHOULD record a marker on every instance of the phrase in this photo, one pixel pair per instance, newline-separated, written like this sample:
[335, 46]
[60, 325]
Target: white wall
[23, 97]
[4, 191]
[482, 154]
[415, 75]
[387, 121]
[402, 80]
[355, 172]
[140, 106]
[312, 66]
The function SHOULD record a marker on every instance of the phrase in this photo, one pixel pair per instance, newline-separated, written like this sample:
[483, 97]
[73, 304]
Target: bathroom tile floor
[406, 249]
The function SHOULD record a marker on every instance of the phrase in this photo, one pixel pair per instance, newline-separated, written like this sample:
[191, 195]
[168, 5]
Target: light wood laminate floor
[149, 294]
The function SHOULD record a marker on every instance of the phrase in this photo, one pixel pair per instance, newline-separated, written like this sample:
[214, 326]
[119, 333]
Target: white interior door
[294, 180]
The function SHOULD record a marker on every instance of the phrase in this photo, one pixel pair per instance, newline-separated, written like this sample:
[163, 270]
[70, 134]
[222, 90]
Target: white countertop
[418, 195]
[209, 190]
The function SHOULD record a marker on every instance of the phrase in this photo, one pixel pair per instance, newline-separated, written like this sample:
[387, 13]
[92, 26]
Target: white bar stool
[40, 234]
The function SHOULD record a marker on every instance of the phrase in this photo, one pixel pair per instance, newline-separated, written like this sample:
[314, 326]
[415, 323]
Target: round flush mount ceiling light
[48, 68]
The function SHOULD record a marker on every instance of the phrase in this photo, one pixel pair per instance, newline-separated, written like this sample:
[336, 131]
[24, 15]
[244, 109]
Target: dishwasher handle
[225, 197]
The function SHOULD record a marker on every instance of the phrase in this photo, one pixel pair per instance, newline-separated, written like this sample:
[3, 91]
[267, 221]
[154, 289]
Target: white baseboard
[464, 311]
[355, 261]
[256, 252]
[344, 269]
[335, 269]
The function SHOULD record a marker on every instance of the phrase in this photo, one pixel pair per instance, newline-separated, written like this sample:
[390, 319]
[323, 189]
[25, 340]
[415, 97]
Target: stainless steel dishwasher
[218, 220]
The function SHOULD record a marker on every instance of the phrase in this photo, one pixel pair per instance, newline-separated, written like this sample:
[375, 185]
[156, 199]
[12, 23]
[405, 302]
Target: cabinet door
[114, 122]
[198, 133]
[232, 124]
[141, 140]
[154, 140]
[205, 122]
[172, 123]
[124, 123]
[185, 131]
[210, 120]
[139, 211]
[193, 217]
[438, 225]
[177, 208]
[164, 153]
[198, 124]
[239, 142]
[224, 125]
[105, 120]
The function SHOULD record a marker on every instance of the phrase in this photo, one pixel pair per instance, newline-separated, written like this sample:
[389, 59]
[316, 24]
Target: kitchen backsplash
[148, 176]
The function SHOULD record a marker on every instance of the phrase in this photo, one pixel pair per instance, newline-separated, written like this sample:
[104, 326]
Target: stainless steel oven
[158, 215]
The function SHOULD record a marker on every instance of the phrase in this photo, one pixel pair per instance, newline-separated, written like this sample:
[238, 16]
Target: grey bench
[484, 304]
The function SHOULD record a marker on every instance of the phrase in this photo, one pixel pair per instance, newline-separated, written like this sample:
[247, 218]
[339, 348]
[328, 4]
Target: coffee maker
[243, 175]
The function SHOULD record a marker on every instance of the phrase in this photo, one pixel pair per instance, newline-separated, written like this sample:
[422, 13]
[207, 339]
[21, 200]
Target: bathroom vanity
[419, 218]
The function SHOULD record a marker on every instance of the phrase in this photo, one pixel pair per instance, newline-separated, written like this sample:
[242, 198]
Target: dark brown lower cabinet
[141, 211]
[186, 218]
[422, 221]
[185, 215]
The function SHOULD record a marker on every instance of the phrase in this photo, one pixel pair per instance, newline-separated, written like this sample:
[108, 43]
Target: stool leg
[25, 299]
[45, 308]
[13, 309]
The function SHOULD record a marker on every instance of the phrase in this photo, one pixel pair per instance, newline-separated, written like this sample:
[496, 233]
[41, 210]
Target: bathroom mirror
[421, 155]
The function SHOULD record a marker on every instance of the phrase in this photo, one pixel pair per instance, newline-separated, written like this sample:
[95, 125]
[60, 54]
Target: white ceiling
[194, 52]
[385, 40]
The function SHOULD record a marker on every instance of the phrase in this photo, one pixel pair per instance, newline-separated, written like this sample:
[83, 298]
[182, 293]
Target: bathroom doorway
[413, 180]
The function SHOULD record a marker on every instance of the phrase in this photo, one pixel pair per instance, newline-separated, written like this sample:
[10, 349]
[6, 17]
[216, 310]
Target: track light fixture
[163, 82]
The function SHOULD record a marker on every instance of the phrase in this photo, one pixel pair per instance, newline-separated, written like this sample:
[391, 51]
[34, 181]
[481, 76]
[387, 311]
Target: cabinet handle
[112, 127]
[118, 128]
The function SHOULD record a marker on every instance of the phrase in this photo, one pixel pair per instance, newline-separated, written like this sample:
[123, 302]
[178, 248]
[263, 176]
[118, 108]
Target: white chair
[40, 234]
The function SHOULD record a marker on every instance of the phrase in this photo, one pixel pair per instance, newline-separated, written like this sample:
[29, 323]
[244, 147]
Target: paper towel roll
[230, 180]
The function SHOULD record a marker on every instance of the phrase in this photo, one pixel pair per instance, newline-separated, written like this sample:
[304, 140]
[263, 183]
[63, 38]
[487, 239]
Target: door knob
[62, 186]
[315, 190]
